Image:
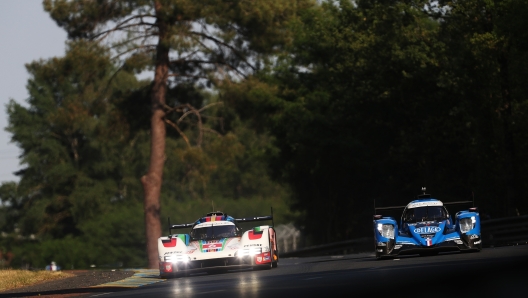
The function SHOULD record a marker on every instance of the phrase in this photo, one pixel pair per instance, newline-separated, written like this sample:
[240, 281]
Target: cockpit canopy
[426, 213]
[210, 231]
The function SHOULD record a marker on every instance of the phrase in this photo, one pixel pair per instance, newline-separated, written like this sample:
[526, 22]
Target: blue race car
[426, 228]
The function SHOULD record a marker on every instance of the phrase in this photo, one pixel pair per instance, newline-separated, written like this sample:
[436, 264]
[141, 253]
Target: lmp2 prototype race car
[426, 228]
[217, 243]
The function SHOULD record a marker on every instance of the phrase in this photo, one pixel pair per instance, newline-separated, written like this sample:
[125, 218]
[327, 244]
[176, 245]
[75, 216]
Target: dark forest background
[365, 101]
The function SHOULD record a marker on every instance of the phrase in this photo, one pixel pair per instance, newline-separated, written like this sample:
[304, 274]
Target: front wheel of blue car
[380, 256]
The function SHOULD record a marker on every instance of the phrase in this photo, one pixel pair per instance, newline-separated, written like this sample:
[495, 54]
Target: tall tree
[184, 40]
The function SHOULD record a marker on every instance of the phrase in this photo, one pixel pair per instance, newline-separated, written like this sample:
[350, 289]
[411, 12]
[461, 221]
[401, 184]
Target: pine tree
[72, 169]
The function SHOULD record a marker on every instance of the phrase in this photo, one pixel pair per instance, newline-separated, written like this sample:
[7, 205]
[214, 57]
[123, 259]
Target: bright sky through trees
[27, 33]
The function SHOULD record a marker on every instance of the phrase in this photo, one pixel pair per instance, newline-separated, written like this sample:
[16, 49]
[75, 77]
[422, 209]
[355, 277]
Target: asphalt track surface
[493, 272]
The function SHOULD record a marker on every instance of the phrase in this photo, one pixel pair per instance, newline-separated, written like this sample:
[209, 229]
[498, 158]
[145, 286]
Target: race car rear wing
[257, 218]
[403, 207]
[180, 226]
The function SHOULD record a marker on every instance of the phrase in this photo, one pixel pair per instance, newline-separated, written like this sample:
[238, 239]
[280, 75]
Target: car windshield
[213, 232]
[428, 213]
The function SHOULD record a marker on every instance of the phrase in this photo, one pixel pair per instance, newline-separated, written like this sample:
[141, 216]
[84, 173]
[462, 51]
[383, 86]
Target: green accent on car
[184, 238]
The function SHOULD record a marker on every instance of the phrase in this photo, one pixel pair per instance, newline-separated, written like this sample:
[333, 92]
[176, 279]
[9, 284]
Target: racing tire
[274, 264]
[264, 267]
[380, 256]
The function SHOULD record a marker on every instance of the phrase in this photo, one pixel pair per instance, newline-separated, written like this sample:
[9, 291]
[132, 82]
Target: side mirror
[378, 216]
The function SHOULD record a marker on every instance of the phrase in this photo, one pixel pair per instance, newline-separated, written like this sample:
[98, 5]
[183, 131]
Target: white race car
[216, 243]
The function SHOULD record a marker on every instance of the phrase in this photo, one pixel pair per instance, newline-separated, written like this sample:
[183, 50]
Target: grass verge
[12, 279]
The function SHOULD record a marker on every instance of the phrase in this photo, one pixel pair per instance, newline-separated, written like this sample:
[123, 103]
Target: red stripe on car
[169, 243]
[254, 236]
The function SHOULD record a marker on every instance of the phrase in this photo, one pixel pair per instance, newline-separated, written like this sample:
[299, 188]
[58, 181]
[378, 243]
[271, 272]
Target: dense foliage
[378, 98]
[368, 101]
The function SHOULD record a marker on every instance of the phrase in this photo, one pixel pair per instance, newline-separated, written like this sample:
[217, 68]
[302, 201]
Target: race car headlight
[386, 230]
[467, 224]
[177, 259]
[249, 251]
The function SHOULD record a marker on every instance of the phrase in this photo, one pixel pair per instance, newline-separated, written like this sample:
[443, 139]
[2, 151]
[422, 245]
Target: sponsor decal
[429, 242]
[397, 246]
[379, 250]
[173, 252]
[215, 224]
[473, 237]
[424, 203]
[246, 245]
[458, 241]
[382, 244]
[427, 230]
[477, 242]
[425, 236]
[211, 245]
[262, 258]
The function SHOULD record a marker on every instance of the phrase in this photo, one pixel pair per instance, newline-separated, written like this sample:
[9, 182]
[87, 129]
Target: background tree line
[316, 109]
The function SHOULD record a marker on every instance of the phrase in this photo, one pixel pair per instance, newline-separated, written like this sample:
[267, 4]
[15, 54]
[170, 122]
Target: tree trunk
[153, 178]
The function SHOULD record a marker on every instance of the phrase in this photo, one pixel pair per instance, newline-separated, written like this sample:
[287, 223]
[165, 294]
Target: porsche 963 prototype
[217, 243]
[426, 228]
